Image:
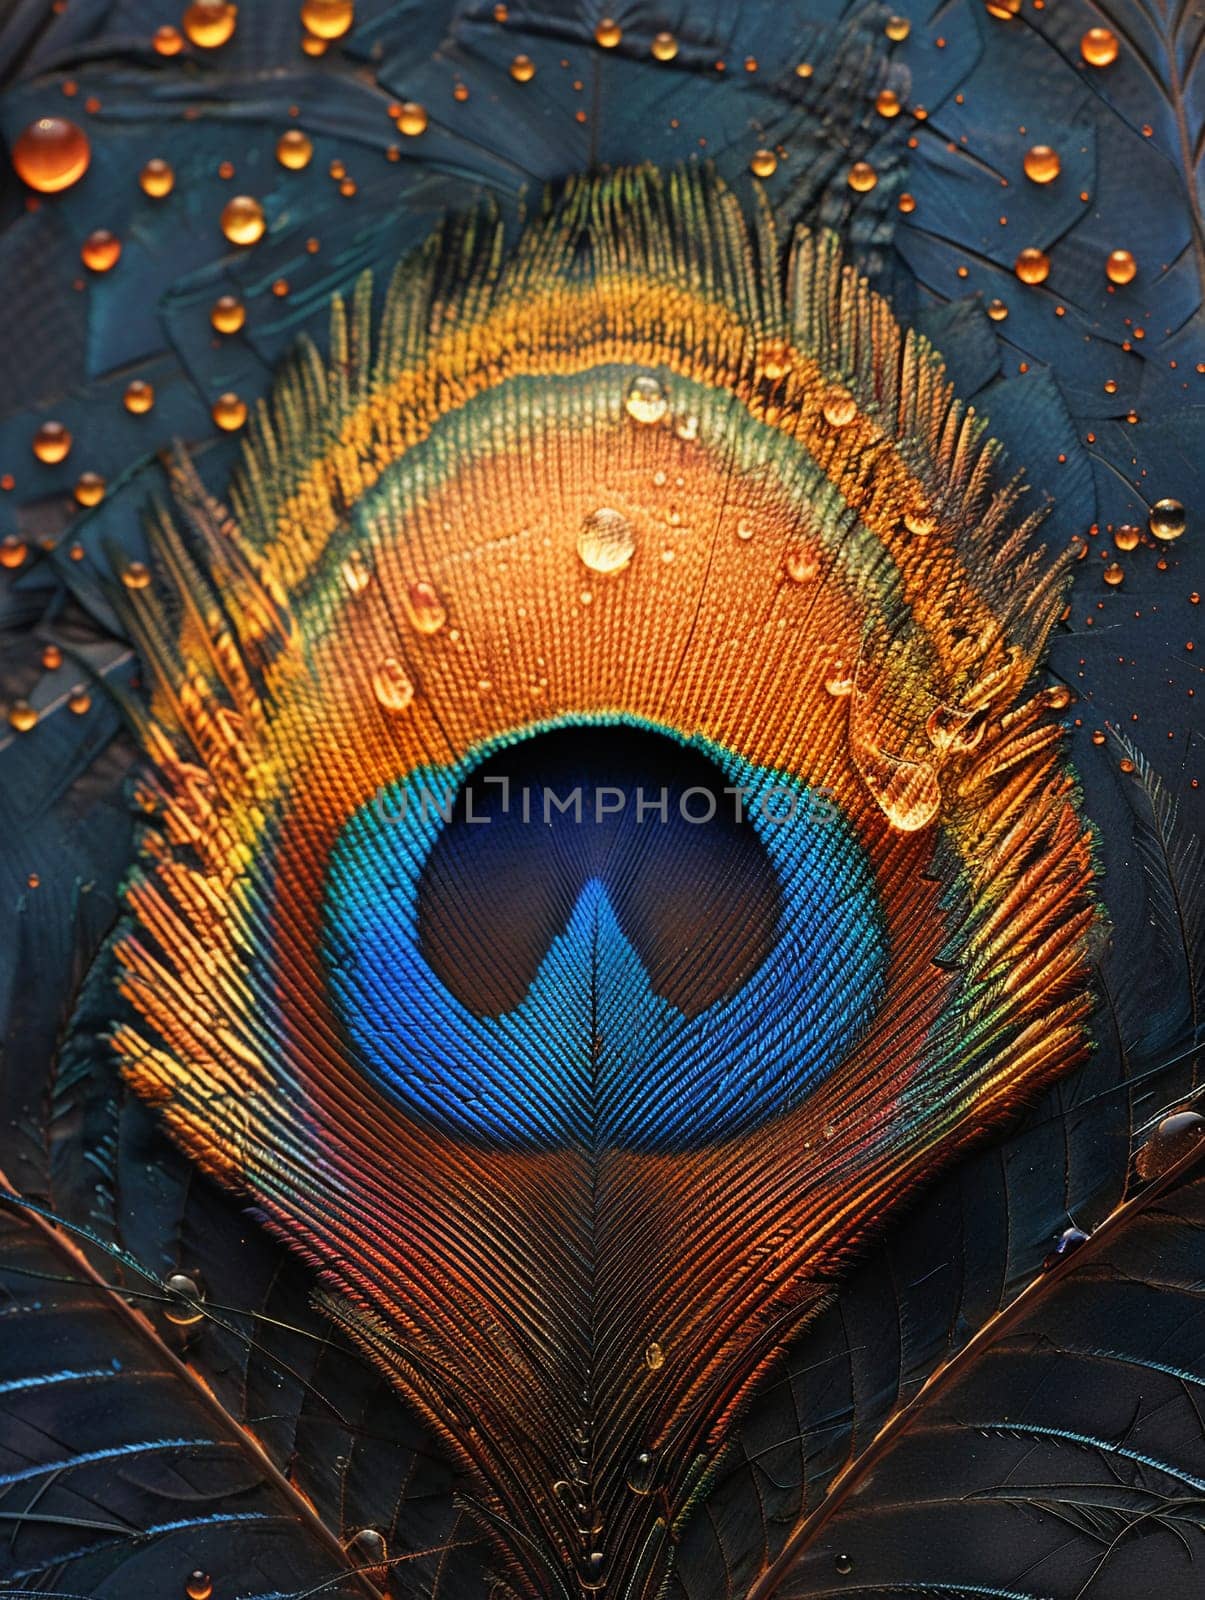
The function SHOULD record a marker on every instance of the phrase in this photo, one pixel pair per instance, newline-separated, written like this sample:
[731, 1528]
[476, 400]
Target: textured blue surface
[593, 1055]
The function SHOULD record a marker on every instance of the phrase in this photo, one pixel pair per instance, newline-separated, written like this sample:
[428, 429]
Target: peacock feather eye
[606, 844]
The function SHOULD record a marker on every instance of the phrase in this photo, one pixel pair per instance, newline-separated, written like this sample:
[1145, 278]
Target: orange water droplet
[139, 397]
[52, 658]
[227, 314]
[1042, 164]
[522, 69]
[862, 177]
[52, 443]
[229, 411]
[1121, 267]
[1126, 537]
[664, 46]
[764, 164]
[907, 204]
[412, 118]
[210, 23]
[1168, 519]
[897, 29]
[997, 310]
[392, 687]
[157, 178]
[243, 220]
[1032, 266]
[51, 154]
[1099, 47]
[312, 45]
[327, 19]
[167, 41]
[79, 701]
[1114, 574]
[294, 149]
[887, 103]
[1003, 9]
[424, 608]
[12, 552]
[839, 407]
[136, 575]
[100, 251]
[608, 33]
[22, 718]
[838, 681]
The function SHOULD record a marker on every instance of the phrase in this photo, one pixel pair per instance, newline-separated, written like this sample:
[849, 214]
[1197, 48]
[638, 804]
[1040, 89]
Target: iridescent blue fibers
[592, 1055]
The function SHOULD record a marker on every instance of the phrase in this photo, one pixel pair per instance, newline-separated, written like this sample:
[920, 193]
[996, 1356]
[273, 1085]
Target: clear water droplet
[184, 1300]
[646, 399]
[1174, 1137]
[392, 687]
[606, 541]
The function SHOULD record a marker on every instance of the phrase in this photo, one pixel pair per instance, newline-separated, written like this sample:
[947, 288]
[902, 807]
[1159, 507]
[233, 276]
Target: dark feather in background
[1053, 1450]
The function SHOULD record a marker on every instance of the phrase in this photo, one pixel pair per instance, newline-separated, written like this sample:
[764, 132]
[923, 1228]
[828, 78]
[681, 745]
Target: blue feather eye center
[601, 935]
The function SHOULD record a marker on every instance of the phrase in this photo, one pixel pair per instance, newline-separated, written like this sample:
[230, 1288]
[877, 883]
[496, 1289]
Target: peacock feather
[608, 880]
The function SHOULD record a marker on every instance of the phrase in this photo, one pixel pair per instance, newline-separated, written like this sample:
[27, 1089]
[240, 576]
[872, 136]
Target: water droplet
[139, 397]
[887, 103]
[210, 23]
[22, 717]
[367, 1548]
[664, 46]
[897, 29]
[312, 45]
[412, 118]
[522, 69]
[646, 399]
[1059, 697]
[1121, 267]
[1099, 47]
[12, 552]
[687, 427]
[51, 154]
[591, 1577]
[920, 521]
[606, 541]
[843, 1564]
[243, 220]
[100, 251]
[1042, 164]
[392, 687]
[839, 407]
[52, 656]
[424, 608]
[1098, 736]
[608, 33]
[157, 178]
[862, 177]
[907, 204]
[838, 681]
[227, 314]
[327, 19]
[136, 575]
[764, 164]
[1127, 536]
[184, 1300]
[79, 700]
[1168, 519]
[167, 41]
[1032, 266]
[229, 412]
[1125, 764]
[641, 1473]
[1067, 1244]
[52, 443]
[654, 1357]
[1114, 574]
[294, 149]
[199, 1585]
[1003, 9]
[357, 573]
[1172, 1139]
